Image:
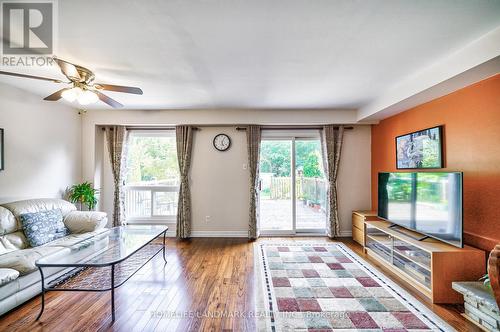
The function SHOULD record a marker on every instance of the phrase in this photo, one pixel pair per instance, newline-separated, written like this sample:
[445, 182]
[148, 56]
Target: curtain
[116, 138]
[184, 138]
[332, 138]
[253, 145]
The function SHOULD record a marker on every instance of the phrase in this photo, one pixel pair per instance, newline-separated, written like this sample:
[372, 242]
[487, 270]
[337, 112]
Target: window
[152, 178]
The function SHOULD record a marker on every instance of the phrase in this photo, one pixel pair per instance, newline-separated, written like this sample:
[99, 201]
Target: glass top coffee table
[110, 259]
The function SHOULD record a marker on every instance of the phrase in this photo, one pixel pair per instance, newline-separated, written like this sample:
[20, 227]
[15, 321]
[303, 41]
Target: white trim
[277, 232]
[345, 233]
[164, 220]
[294, 235]
[219, 234]
[277, 134]
[167, 132]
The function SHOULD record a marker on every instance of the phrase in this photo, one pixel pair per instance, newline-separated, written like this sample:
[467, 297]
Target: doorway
[293, 186]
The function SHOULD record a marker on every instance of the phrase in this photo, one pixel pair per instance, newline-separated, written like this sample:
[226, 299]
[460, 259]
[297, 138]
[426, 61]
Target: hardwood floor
[202, 276]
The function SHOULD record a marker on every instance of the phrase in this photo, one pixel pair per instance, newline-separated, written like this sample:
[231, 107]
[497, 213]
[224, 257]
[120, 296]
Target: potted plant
[84, 194]
[486, 281]
[316, 205]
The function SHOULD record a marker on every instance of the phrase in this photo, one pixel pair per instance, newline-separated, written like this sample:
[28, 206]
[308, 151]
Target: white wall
[42, 146]
[219, 184]
[354, 181]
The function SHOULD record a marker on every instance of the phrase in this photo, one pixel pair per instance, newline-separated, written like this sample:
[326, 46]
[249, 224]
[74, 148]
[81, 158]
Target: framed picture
[421, 149]
[1, 150]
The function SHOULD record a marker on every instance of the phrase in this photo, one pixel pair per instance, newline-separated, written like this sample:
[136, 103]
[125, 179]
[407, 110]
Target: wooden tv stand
[429, 265]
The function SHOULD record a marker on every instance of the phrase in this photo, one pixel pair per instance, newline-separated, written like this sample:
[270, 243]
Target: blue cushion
[43, 227]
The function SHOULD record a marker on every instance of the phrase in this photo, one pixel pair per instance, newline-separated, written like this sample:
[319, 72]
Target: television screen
[429, 203]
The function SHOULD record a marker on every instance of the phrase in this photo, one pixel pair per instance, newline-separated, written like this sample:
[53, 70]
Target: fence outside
[313, 190]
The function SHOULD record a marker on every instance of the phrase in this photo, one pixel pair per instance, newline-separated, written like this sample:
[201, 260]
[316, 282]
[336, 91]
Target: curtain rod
[291, 127]
[150, 128]
[237, 127]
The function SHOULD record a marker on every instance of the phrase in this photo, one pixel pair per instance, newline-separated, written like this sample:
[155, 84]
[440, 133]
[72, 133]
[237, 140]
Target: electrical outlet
[207, 219]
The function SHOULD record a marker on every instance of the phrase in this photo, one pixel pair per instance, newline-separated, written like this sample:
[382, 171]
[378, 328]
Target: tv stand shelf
[428, 265]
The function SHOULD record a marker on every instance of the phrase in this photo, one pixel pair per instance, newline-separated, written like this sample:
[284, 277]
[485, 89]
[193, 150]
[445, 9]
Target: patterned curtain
[184, 138]
[116, 138]
[253, 144]
[332, 138]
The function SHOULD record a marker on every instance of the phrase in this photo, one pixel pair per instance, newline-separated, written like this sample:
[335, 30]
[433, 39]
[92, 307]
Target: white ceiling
[259, 54]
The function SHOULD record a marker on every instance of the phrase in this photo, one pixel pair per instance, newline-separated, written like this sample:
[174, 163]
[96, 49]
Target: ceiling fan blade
[68, 69]
[118, 88]
[56, 95]
[110, 101]
[30, 76]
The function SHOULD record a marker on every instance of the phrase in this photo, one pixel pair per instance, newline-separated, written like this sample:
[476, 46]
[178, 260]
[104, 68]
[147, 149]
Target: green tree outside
[152, 159]
[276, 158]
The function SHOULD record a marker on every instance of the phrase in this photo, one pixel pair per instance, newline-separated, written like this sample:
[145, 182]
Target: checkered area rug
[327, 287]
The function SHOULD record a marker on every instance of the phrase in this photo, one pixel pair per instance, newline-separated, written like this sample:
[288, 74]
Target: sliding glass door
[276, 213]
[311, 186]
[292, 184]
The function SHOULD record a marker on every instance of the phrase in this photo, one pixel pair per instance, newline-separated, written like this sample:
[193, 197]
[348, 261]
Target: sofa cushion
[85, 221]
[8, 222]
[43, 227]
[5, 245]
[36, 205]
[7, 275]
[77, 241]
[24, 260]
[16, 239]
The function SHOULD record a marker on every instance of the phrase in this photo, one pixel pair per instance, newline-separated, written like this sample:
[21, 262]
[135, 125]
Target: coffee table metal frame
[55, 285]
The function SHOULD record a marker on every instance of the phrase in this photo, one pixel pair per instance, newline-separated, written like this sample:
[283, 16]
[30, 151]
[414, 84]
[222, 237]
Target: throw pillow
[43, 227]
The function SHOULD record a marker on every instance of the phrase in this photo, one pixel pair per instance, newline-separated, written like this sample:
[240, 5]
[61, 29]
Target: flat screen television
[427, 202]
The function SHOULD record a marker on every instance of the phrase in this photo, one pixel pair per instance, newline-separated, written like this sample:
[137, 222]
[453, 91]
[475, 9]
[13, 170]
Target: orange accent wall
[471, 119]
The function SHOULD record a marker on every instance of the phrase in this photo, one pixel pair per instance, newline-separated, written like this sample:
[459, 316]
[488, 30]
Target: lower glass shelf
[408, 259]
[380, 249]
[415, 271]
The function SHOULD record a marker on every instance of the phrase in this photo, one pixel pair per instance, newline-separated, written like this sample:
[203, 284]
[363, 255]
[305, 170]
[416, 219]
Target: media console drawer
[358, 224]
[358, 235]
[358, 221]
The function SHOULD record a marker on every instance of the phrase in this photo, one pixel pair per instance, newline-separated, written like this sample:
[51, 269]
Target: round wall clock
[222, 142]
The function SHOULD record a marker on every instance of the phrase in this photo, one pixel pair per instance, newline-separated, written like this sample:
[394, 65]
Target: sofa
[19, 277]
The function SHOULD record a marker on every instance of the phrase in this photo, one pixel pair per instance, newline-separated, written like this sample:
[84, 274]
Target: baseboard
[345, 233]
[240, 234]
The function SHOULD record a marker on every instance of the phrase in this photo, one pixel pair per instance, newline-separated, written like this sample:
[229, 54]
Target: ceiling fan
[82, 87]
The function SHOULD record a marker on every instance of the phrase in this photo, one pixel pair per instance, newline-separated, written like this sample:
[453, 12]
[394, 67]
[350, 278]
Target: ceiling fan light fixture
[82, 89]
[87, 97]
[72, 94]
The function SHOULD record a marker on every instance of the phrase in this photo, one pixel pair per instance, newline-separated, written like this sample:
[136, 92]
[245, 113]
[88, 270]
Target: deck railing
[307, 188]
[144, 202]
